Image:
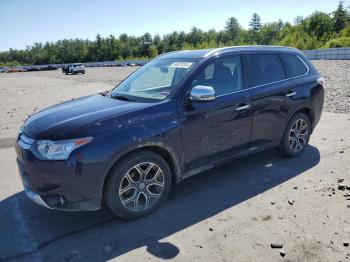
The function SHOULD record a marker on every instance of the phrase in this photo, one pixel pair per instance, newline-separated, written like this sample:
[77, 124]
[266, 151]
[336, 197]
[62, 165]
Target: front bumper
[71, 185]
[36, 198]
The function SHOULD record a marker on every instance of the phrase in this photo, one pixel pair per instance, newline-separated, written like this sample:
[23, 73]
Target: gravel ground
[337, 75]
[23, 94]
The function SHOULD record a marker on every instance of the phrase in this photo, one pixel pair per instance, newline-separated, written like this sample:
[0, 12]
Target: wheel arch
[309, 112]
[305, 110]
[166, 152]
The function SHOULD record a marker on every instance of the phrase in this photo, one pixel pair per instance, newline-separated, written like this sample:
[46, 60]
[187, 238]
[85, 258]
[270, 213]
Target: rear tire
[138, 185]
[296, 136]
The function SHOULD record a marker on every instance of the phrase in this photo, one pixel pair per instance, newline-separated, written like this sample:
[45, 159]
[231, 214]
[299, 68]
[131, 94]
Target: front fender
[144, 145]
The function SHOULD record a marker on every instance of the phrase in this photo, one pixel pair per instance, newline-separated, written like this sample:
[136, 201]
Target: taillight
[321, 81]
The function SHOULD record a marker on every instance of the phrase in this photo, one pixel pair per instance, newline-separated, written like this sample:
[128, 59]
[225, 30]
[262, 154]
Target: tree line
[319, 30]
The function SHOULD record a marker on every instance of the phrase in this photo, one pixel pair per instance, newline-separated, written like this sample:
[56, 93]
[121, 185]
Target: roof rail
[214, 50]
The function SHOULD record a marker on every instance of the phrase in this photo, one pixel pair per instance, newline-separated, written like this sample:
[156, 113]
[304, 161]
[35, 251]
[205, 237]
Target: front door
[216, 130]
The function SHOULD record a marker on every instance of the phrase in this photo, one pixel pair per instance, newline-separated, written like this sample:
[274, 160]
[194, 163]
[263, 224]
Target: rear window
[295, 67]
[266, 68]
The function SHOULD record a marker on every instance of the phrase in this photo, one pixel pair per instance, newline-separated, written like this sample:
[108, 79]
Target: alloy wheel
[141, 187]
[298, 135]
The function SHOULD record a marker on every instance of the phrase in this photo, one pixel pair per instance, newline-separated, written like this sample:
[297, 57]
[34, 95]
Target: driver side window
[224, 75]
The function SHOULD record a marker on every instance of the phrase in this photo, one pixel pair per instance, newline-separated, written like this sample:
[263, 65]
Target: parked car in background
[14, 70]
[180, 114]
[73, 69]
[48, 68]
[33, 68]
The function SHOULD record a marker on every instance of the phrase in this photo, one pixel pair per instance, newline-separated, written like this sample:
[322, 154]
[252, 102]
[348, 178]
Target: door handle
[291, 94]
[242, 107]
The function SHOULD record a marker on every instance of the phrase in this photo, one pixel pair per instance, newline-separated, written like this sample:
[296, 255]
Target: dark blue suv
[180, 114]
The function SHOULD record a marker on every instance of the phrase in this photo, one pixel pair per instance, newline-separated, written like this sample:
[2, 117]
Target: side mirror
[201, 93]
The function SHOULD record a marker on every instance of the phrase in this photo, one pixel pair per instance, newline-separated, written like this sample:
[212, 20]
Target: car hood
[62, 120]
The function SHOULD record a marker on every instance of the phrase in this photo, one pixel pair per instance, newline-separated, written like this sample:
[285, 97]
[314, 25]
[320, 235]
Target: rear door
[274, 96]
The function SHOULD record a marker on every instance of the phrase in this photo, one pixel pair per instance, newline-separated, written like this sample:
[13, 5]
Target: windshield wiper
[105, 93]
[123, 98]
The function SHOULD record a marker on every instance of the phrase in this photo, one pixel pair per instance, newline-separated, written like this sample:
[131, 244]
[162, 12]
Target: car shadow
[28, 231]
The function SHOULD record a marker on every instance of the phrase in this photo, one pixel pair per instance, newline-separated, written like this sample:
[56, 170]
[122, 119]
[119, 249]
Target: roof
[204, 53]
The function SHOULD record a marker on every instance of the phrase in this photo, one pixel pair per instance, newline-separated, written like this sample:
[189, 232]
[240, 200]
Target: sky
[23, 22]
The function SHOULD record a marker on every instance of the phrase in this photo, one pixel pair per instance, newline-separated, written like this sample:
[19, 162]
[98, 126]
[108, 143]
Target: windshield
[155, 80]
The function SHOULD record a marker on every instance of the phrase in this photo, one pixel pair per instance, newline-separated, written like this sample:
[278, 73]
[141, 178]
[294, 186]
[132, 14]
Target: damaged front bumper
[70, 185]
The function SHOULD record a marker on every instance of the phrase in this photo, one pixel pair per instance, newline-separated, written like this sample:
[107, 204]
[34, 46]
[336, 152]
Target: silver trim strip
[213, 51]
[26, 139]
[23, 145]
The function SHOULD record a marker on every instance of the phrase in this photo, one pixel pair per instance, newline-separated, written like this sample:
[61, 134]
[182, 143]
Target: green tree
[340, 17]
[232, 28]
[255, 27]
[320, 25]
[255, 23]
[298, 20]
[270, 32]
[152, 52]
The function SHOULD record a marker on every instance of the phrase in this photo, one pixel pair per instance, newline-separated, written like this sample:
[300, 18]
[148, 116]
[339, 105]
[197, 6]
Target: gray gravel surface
[337, 75]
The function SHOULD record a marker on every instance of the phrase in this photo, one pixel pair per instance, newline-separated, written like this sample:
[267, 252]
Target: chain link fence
[329, 54]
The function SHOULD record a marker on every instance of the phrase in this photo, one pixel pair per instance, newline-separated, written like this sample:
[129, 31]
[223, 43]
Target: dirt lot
[231, 213]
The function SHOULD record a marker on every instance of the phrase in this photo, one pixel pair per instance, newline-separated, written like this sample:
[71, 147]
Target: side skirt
[250, 151]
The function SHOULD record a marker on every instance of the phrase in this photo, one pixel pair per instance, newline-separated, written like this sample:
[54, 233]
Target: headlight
[59, 150]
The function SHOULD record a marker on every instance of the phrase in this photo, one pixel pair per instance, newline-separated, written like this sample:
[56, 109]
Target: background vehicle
[178, 115]
[73, 69]
[33, 68]
[14, 70]
[48, 68]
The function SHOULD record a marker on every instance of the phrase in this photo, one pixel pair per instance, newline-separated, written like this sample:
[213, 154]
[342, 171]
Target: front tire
[138, 185]
[296, 136]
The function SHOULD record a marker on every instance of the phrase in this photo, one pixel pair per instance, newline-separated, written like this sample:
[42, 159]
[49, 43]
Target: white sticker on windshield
[181, 64]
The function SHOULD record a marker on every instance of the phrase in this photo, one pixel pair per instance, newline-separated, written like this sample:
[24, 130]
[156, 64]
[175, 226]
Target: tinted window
[224, 75]
[266, 68]
[295, 67]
